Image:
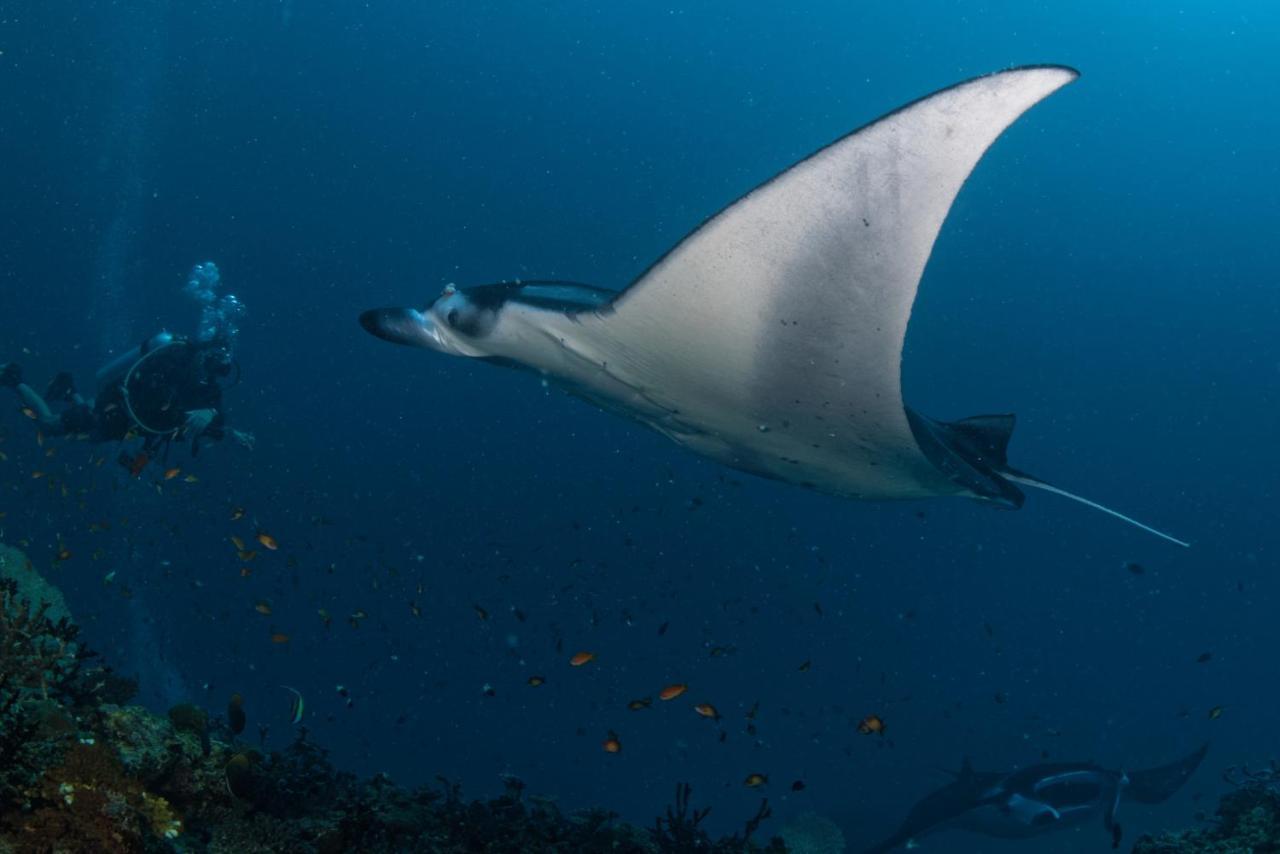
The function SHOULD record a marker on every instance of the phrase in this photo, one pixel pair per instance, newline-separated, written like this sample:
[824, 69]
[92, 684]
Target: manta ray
[1038, 799]
[770, 338]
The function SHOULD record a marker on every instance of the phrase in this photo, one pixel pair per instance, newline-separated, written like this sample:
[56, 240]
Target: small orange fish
[642, 703]
[246, 555]
[612, 744]
[64, 553]
[237, 513]
[170, 474]
[29, 412]
[672, 691]
[237, 542]
[581, 658]
[268, 541]
[535, 681]
[263, 607]
[245, 572]
[754, 781]
[707, 711]
[871, 724]
[190, 479]
[279, 638]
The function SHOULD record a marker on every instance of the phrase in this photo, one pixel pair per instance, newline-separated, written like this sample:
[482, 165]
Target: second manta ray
[770, 338]
[1038, 799]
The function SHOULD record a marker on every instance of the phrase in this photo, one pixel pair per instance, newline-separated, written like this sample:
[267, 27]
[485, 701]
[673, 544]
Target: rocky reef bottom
[1247, 821]
[82, 771]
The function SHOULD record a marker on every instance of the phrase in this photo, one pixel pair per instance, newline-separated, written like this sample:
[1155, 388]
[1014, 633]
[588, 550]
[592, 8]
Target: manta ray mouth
[400, 326]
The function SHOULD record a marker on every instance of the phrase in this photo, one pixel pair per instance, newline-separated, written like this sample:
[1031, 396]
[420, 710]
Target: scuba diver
[167, 388]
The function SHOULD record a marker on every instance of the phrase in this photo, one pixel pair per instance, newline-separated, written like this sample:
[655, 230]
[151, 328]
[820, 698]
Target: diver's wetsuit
[180, 378]
[166, 386]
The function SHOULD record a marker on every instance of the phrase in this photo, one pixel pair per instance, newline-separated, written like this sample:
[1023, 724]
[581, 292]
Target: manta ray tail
[1027, 480]
[973, 452]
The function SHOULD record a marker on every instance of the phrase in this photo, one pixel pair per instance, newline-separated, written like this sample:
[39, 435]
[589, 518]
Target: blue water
[1108, 273]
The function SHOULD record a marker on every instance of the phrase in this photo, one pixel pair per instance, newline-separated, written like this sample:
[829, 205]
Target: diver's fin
[1156, 785]
[1027, 480]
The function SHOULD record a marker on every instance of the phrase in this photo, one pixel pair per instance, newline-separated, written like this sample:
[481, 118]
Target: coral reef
[1247, 820]
[31, 586]
[811, 833]
[81, 771]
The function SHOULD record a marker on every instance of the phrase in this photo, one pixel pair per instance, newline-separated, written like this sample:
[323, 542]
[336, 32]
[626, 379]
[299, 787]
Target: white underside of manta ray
[770, 338]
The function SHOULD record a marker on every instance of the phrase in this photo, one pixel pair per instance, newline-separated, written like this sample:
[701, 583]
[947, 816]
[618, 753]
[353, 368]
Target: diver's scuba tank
[114, 370]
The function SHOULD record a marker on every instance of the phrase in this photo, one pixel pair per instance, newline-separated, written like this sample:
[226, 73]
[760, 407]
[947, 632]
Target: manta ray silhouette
[770, 338]
[1038, 799]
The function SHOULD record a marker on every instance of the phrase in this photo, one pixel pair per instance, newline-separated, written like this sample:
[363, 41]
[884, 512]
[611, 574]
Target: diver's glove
[197, 424]
[198, 421]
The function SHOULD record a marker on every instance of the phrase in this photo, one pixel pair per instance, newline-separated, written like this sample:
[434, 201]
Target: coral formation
[80, 771]
[811, 833]
[1247, 820]
[31, 586]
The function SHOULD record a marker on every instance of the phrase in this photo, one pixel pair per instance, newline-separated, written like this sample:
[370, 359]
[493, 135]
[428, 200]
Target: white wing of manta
[770, 338]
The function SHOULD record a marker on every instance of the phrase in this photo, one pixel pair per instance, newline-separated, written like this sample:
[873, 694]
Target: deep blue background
[1108, 273]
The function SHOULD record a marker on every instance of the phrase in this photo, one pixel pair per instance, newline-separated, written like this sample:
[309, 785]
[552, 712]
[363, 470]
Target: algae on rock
[32, 586]
[1248, 822]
